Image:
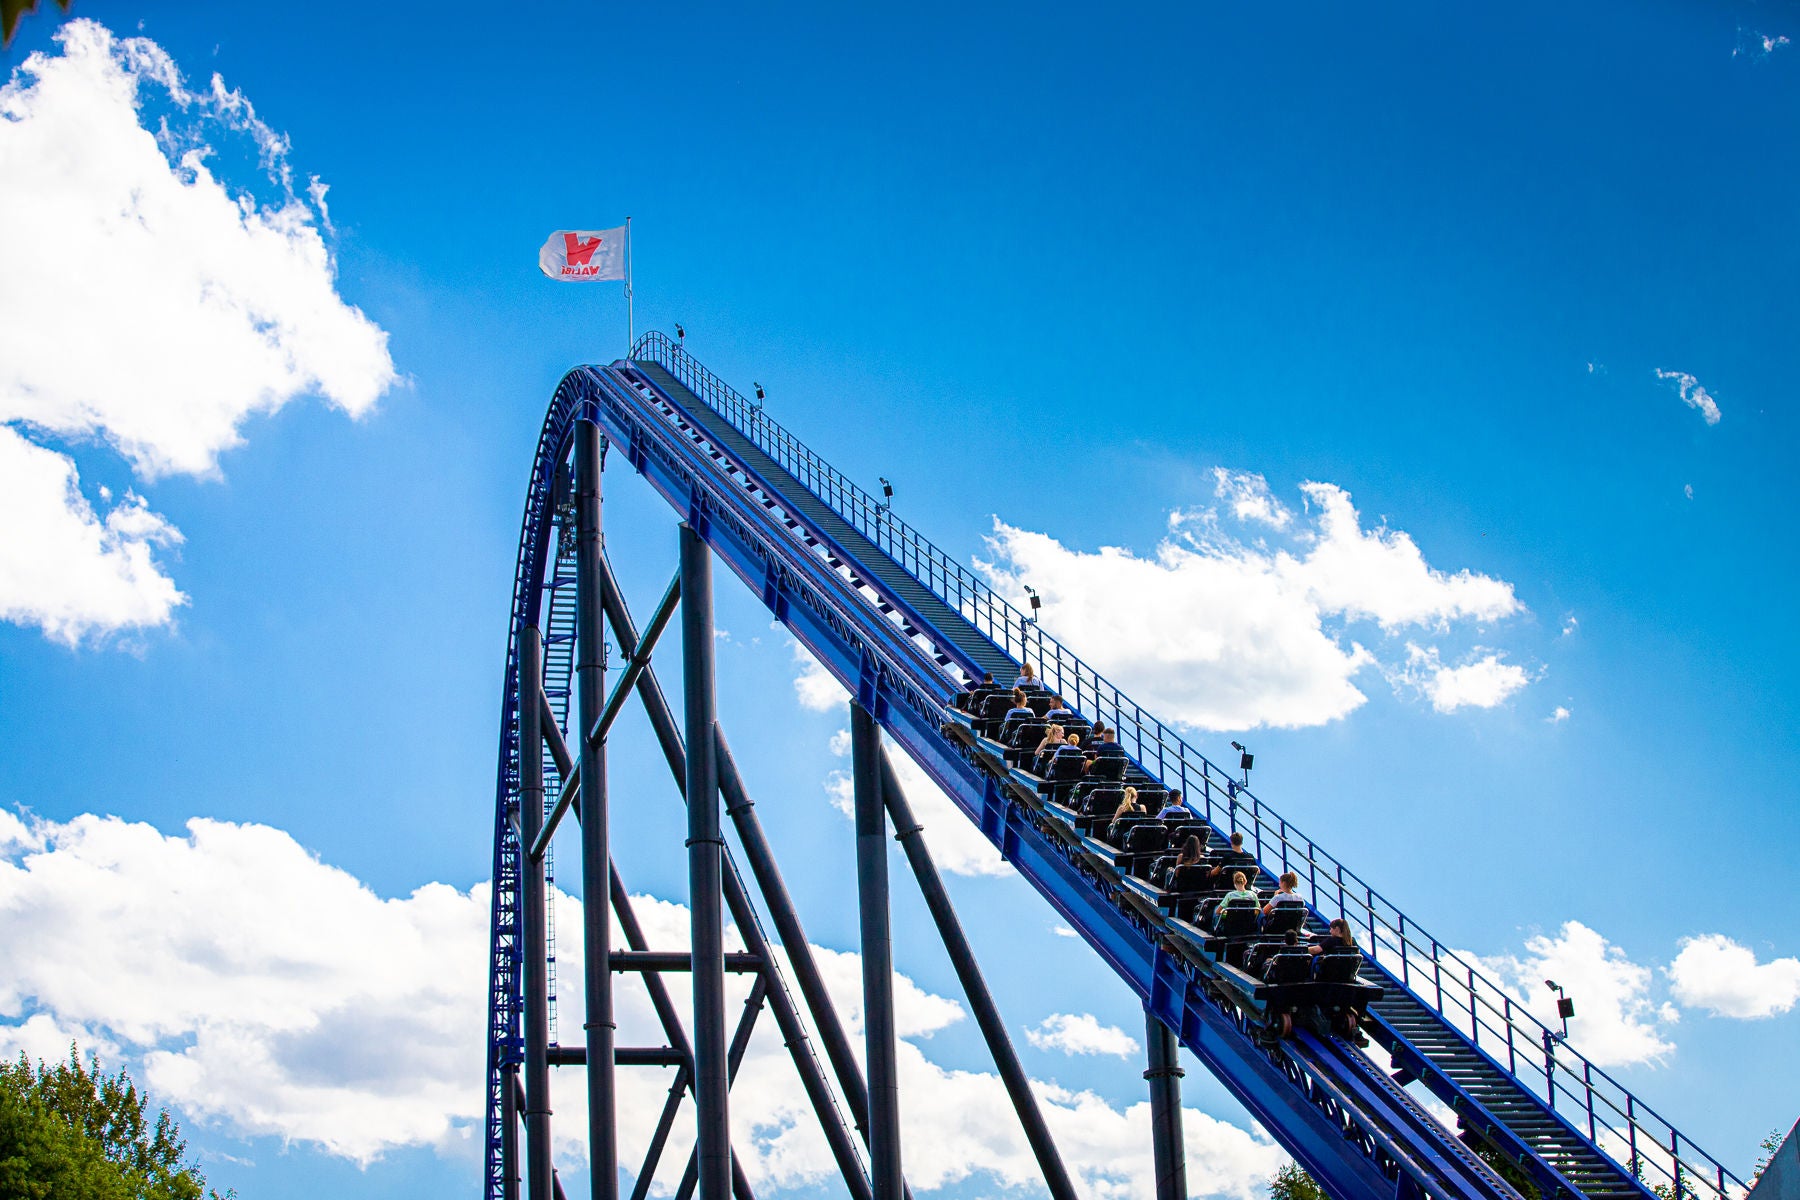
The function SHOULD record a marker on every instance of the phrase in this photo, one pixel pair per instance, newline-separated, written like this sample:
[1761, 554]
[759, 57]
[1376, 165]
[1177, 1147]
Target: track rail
[897, 621]
[1564, 1094]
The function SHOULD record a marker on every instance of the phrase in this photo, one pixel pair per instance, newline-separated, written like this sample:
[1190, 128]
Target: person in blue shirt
[1019, 713]
[1027, 678]
[1101, 742]
[1069, 752]
[1059, 711]
[1173, 809]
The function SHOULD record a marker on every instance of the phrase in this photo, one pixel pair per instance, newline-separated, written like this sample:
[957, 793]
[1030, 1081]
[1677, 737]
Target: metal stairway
[895, 620]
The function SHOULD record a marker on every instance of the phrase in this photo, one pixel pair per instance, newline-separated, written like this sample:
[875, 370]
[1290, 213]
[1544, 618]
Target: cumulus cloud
[66, 568]
[815, 687]
[1559, 715]
[147, 307]
[1693, 395]
[1249, 498]
[957, 846]
[257, 984]
[1722, 976]
[1484, 681]
[1081, 1033]
[1217, 634]
[258, 988]
[1618, 1022]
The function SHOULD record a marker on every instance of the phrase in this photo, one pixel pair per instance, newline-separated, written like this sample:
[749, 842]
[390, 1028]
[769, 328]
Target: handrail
[1620, 1125]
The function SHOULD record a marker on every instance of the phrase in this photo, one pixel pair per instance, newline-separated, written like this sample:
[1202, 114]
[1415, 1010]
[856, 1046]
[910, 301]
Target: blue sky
[1045, 271]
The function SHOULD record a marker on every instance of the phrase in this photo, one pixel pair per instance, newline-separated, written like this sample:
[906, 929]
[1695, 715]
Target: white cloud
[1081, 1033]
[147, 307]
[1217, 634]
[1720, 975]
[1759, 45]
[1687, 489]
[817, 689]
[1482, 682]
[1249, 498]
[1570, 625]
[257, 984]
[1559, 715]
[1617, 1021]
[1212, 639]
[957, 846]
[258, 988]
[63, 567]
[1381, 575]
[1063, 931]
[1693, 395]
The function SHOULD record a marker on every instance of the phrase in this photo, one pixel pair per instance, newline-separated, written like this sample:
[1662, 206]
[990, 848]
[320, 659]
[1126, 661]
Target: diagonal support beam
[559, 749]
[740, 1042]
[640, 658]
[910, 834]
[793, 1031]
[664, 1125]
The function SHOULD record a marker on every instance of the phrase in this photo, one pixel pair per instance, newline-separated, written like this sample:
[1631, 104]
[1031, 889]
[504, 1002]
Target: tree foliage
[1293, 1183]
[1769, 1145]
[12, 10]
[72, 1132]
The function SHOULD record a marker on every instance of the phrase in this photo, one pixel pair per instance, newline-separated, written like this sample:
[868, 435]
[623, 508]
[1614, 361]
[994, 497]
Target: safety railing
[1494, 1019]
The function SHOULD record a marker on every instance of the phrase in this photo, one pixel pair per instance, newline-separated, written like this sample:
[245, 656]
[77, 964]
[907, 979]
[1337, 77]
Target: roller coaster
[1397, 1070]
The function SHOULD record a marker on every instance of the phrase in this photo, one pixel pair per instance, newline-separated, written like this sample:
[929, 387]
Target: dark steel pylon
[706, 776]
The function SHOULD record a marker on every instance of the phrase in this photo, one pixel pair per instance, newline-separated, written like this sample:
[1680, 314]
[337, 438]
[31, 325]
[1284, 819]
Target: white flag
[584, 255]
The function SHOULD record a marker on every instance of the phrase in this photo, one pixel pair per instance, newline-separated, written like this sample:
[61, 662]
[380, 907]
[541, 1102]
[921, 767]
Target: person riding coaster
[1314, 987]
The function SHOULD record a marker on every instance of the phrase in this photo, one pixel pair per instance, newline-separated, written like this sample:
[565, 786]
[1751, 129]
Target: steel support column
[787, 1017]
[1165, 1109]
[705, 870]
[509, 1134]
[877, 956]
[596, 856]
[539, 1179]
[910, 834]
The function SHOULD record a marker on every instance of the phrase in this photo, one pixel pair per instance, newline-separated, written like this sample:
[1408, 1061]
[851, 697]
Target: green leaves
[70, 1132]
[12, 10]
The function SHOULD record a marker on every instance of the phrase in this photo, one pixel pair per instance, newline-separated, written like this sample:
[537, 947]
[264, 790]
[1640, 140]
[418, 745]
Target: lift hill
[901, 624]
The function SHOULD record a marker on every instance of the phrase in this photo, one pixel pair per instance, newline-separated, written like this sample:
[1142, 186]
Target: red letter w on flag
[578, 252]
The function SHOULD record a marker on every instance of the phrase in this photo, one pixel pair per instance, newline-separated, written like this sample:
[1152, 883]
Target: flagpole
[630, 318]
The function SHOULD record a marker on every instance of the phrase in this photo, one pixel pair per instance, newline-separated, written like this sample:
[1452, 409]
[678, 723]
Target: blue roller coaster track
[901, 625]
